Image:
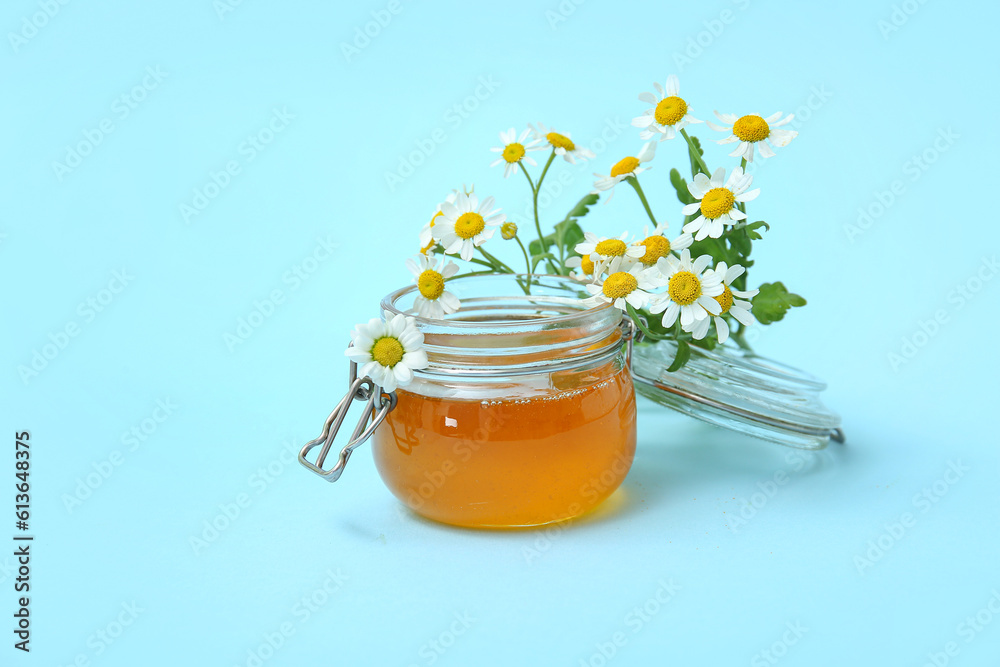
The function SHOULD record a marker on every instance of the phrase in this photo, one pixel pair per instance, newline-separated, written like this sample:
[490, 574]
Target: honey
[516, 458]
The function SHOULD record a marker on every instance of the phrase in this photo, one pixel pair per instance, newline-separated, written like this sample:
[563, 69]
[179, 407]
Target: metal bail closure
[361, 389]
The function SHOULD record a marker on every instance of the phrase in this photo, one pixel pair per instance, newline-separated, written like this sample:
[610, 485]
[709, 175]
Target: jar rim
[390, 300]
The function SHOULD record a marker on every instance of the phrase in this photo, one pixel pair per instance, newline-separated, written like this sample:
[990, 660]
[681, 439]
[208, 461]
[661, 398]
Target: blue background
[874, 85]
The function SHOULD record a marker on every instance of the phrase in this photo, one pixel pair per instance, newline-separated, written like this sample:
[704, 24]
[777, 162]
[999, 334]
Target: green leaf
[754, 226]
[683, 354]
[740, 242]
[681, 187]
[568, 234]
[582, 207]
[773, 301]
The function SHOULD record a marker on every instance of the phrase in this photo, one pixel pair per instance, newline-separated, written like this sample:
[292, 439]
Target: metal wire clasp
[361, 389]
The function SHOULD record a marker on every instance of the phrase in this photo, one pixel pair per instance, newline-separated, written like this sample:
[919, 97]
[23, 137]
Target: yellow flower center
[557, 140]
[611, 248]
[431, 284]
[656, 247]
[725, 300]
[625, 166]
[427, 248]
[717, 202]
[469, 224]
[751, 128]
[586, 265]
[513, 152]
[619, 285]
[684, 288]
[435, 217]
[387, 351]
[508, 230]
[670, 110]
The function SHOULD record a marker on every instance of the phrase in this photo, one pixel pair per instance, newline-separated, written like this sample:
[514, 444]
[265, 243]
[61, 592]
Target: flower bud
[508, 230]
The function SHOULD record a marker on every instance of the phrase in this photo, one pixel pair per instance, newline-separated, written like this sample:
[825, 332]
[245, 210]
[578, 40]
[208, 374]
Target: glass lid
[738, 390]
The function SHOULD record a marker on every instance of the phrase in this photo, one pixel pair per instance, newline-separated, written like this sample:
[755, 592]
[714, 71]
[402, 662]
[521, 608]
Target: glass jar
[526, 413]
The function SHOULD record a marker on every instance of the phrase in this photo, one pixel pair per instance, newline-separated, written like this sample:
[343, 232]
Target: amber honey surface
[506, 462]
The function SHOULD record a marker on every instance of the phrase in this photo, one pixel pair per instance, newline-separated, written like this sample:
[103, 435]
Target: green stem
[738, 337]
[638, 322]
[534, 197]
[481, 262]
[472, 273]
[694, 153]
[634, 182]
[503, 268]
[527, 262]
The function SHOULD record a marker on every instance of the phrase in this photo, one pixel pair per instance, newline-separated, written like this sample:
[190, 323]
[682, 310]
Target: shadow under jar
[525, 414]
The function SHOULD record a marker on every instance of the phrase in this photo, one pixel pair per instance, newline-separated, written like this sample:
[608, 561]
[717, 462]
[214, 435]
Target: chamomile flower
[388, 351]
[584, 268]
[467, 224]
[562, 144]
[433, 301]
[601, 251]
[428, 239]
[656, 244]
[626, 167]
[738, 308]
[717, 199]
[690, 290]
[752, 130]
[514, 151]
[669, 114]
[626, 284]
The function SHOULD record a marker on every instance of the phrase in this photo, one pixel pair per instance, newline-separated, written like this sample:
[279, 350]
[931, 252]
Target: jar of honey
[526, 412]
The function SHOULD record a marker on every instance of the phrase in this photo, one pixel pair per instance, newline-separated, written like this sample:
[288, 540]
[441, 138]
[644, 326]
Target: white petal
[719, 177]
[722, 328]
[670, 315]
[691, 209]
[648, 151]
[673, 86]
[765, 149]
